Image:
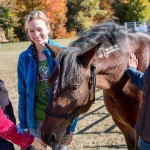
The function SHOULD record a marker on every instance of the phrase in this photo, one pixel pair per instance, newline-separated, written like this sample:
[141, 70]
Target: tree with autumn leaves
[83, 14]
[131, 10]
[8, 19]
[56, 11]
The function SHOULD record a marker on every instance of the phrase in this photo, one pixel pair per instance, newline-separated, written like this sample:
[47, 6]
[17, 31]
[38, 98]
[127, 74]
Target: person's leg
[6, 145]
[143, 145]
[36, 132]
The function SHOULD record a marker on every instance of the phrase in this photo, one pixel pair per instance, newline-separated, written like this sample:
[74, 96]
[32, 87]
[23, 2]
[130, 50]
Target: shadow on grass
[106, 146]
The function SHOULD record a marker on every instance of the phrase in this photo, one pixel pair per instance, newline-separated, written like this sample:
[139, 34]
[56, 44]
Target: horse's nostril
[52, 138]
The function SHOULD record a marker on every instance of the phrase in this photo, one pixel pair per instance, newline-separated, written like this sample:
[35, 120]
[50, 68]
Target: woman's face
[38, 31]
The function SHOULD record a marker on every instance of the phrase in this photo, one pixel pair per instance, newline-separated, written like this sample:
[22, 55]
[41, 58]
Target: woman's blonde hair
[36, 15]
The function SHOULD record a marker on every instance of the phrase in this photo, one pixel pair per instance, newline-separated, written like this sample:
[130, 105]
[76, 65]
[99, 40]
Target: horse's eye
[75, 87]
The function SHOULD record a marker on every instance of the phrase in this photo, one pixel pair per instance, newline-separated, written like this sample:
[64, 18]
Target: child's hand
[38, 144]
[133, 61]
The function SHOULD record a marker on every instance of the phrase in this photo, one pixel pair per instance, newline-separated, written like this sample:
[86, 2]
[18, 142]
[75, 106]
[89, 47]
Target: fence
[137, 26]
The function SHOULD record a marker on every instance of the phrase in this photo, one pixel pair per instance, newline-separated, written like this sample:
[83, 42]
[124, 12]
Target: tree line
[69, 17]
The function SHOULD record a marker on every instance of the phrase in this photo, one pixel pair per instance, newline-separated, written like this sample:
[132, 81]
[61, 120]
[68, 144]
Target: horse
[97, 58]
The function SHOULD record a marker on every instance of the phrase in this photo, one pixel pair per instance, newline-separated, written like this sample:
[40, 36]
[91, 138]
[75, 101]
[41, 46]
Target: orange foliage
[71, 34]
[56, 12]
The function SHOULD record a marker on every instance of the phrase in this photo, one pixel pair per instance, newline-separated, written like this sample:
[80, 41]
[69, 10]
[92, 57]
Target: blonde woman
[34, 68]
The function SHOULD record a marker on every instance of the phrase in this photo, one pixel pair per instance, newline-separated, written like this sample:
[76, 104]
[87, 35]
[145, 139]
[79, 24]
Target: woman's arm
[136, 77]
[9, 131]
[21, 93]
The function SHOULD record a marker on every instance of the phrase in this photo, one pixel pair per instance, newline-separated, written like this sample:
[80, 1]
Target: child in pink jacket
[9, 131]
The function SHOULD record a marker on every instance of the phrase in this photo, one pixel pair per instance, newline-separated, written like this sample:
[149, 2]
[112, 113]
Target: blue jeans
[37, 132]
[143, 145]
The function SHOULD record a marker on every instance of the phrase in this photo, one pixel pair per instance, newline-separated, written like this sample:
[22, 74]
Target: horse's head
[73, 90]
[100, 52]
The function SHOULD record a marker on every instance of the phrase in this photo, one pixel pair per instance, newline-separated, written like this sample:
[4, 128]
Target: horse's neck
[114, 88]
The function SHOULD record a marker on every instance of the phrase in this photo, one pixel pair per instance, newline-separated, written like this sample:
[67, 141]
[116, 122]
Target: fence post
[125, 25]
[134, 25]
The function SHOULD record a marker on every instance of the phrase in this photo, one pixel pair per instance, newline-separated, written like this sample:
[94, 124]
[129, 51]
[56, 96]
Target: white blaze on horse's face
[103, 52]
[56, 86]
[55, 90]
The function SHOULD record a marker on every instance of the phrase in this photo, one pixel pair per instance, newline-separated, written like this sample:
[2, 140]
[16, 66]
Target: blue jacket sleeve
[22, 94]
[73, 125]
[137, 77]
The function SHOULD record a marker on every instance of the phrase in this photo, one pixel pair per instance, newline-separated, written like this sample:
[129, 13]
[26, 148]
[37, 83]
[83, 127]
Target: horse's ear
[86, 56]
[54, 49]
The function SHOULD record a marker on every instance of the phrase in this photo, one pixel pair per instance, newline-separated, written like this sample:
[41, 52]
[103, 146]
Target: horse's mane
[107, 32]
[70, 72]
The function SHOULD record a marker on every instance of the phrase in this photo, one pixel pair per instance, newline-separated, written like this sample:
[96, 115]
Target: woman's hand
[38, 144]
[133, 61]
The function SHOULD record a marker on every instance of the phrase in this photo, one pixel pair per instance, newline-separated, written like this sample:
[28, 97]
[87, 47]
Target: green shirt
[42, 89]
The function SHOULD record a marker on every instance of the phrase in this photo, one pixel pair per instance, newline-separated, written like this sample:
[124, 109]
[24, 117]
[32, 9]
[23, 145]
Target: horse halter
[90, 96]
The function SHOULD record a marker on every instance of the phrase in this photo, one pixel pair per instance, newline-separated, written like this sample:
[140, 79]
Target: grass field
[95, 129]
